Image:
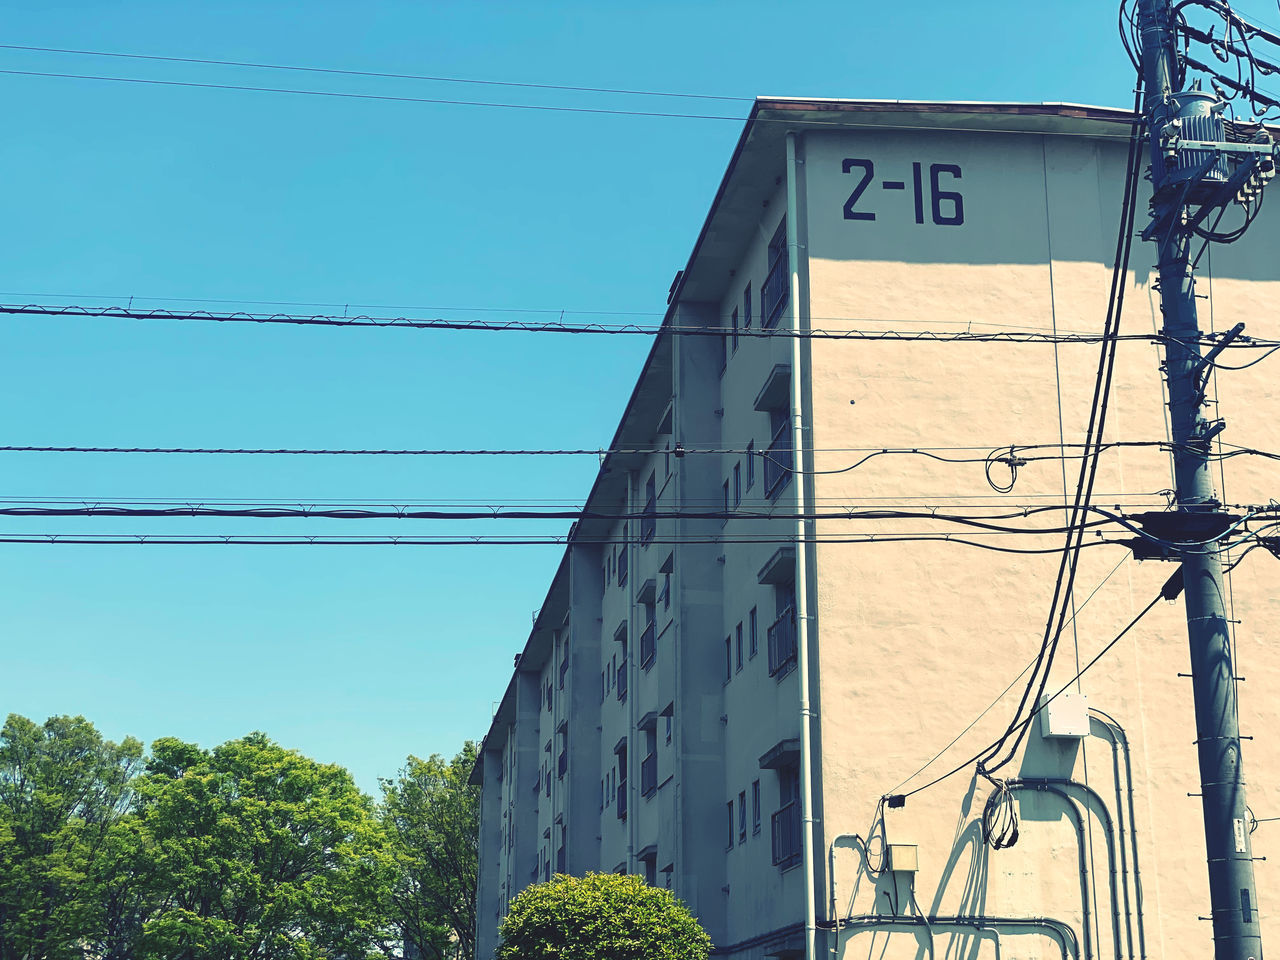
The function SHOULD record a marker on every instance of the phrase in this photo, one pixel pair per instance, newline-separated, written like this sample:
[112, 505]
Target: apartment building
[735, 656]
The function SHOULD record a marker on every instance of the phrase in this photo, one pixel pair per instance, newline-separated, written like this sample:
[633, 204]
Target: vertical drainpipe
[802, 570]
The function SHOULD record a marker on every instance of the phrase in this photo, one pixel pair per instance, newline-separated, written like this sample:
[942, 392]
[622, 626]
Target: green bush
[601, 916]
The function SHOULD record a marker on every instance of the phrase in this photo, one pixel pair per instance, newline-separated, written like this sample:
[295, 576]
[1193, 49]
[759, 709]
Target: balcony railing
[648, 648]
[648, 523]
[782, 643]
[775, 291]
[622, 799]
[648, 775]
[786, 836]
[778, 463]
[622, 680]
[562, 764]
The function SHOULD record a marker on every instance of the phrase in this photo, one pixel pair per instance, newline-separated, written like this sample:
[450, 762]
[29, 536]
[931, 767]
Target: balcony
[622, 799]
[786, 836]
[778, 463]
[622, 680]
[648, 646]
[561, 766]
[649, 775]
[782, 643]
[648, 522]
[775, 291]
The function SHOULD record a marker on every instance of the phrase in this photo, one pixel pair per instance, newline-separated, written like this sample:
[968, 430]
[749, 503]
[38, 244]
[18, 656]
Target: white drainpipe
[802, 579]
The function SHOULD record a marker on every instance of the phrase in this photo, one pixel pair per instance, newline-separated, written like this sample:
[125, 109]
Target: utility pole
[1193, 171]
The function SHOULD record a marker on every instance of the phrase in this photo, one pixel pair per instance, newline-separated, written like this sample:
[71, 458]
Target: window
[724, 351]
[728, 658]
[742, 817]
[737, 484]
[726, 497]
[622, 558]
[751, 464]
[667, 720]
[665, 594]
[729, 840]
[733, 326]
[755, 807]
[746, 308]
[753, 634]
[737, 645]
[776, 288]
[649, 765]
[648, 638]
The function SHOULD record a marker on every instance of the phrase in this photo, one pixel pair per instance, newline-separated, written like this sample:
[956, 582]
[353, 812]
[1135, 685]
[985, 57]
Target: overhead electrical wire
[337, 71]
[508, 326]
[1004, 749]
[1170, 591]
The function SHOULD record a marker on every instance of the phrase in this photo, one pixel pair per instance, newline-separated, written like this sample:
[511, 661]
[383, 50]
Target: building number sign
[946, 207]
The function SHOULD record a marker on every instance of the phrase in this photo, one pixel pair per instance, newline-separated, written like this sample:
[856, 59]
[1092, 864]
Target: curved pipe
[1085, 915]
[1120, 742]
[1055, 785]
[1060, 932]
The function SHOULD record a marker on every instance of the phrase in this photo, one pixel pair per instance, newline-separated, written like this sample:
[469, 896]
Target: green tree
[255, 851]
[601, 916]
[64, 792]
[432, 819]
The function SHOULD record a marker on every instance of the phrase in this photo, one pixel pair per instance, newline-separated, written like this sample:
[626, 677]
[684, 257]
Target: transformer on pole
[1195, 170]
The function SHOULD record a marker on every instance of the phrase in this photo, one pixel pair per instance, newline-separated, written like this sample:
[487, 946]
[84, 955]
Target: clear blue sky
[362, 656]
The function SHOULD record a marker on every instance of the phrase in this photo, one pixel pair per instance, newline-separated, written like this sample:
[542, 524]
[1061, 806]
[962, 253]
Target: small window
[755, 806]
[776, 289]
[726, 497]
[746, 308]
[751, 464]
[667, 719]
[728, 658]
[742, 817]
[753, 634]
[733, 326]
[737, 637]
[729, 839]
[737, 484]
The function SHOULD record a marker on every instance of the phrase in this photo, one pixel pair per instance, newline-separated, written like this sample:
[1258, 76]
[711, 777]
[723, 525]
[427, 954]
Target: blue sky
[362, 656]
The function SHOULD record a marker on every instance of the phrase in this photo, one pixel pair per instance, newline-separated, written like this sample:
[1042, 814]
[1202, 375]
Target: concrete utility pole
[1189, 165]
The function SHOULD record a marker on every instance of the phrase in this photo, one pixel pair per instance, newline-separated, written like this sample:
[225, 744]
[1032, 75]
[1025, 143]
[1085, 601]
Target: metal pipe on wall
[1115, 735]
[1060, 931]
[802, 578]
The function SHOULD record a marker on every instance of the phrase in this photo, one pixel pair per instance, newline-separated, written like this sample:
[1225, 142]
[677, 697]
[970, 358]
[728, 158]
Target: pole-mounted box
[1065, 716]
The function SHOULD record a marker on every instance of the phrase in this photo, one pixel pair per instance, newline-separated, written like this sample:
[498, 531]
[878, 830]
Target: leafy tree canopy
[600, 916]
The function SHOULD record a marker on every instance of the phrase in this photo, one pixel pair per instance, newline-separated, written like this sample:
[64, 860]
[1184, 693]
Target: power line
[299, 68]
[60, 539]
[327, 320]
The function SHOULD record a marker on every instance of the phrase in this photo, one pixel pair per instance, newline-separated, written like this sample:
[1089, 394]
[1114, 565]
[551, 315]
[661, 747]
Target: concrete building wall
[900, 222]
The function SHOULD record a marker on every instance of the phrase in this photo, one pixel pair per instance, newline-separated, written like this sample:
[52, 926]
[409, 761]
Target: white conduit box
[903, 857]
[1064, 717]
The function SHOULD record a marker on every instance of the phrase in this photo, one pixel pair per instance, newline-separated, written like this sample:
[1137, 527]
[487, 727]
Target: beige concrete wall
[917, 639]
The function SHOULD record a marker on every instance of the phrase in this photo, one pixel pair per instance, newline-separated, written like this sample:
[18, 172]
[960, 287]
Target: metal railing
[648, 775]
[778, 462]
[782, 643]
[786, 835]
[775, 291]
[648, 523]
